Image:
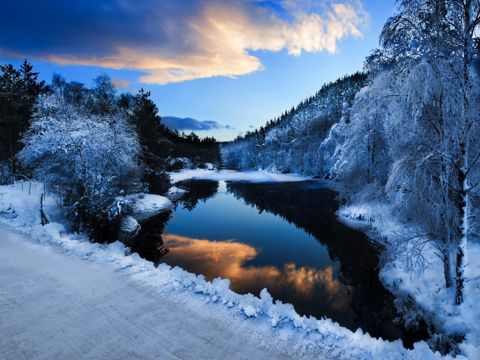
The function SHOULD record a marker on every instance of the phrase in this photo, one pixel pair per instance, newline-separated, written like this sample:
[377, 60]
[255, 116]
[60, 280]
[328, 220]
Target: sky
[235, 63]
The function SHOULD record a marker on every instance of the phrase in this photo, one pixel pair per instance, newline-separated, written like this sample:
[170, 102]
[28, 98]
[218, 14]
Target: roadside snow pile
[426, 287]
[232, 175]
[260, 318]
[21, 203]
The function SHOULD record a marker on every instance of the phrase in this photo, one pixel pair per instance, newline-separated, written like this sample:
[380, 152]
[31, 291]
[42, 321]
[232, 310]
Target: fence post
[43, 215]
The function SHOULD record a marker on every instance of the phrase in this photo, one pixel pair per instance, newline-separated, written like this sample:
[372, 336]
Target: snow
[148, 205]
[144, 206]
[20, 203]
[87, 291]
[232, 175]
[56, 306]
[129, 228]
[175, 193]
[426, 287]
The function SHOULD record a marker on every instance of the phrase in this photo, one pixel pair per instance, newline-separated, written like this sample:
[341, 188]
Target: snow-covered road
[58, 306]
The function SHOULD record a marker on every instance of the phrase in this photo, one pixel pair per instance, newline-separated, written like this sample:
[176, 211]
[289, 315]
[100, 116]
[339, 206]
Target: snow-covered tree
[428, 50]
[86, 159]
[364, 159]
[466, 22]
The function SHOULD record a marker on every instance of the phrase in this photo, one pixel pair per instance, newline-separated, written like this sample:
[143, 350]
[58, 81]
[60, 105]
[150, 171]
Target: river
[281, 236]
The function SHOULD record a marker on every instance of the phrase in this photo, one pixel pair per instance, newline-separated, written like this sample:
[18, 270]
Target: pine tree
[103, 98]
[19, 90]
[155, 146]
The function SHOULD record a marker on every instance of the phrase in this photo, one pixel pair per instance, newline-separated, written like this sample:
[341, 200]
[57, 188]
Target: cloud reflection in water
[227, 259]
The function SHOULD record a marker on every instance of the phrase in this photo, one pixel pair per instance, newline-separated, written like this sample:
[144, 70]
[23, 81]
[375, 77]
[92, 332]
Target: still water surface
[281, 236]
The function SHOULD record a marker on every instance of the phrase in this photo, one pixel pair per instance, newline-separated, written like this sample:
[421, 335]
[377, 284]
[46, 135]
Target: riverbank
[416, 278]
[163, 310]
[234, 175]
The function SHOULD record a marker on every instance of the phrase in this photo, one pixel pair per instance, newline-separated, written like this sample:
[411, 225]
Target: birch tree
[433, 39]
[466, 20]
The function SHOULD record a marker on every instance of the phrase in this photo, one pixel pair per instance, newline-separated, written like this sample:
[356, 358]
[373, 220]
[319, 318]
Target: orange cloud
[219, 39]
[120, 83]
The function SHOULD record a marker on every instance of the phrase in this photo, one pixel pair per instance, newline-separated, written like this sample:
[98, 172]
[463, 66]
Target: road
[58, 306]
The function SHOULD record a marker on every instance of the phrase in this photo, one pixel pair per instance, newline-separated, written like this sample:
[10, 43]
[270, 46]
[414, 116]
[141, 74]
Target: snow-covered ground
[232, 175]
[59, 306]
[64, 297]
[426, 287]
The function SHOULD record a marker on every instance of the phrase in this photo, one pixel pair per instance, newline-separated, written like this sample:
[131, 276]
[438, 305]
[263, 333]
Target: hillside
[293, 142]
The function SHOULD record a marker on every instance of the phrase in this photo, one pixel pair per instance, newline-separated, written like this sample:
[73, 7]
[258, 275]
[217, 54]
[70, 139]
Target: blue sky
[239, 63]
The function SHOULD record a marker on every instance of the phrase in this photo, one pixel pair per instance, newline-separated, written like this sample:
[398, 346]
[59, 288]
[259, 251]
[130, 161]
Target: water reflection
[150, 243]
[228, 259]
[198, 191]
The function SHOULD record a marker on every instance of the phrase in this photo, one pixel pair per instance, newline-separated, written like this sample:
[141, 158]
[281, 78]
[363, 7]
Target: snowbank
[148, 205]
[175, 193]
[232, 175]
[20, 203]
[271, 323]
[135, 209]
[143, 206]
[427, 287]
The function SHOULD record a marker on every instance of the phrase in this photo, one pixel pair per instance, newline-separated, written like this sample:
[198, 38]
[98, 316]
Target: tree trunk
[447, 272]
[462, 227]
[461, 198]
[459, 275]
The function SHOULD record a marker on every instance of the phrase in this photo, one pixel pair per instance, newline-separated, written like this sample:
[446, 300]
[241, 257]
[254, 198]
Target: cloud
[120, 83]
[176, 123]
[173, 41]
